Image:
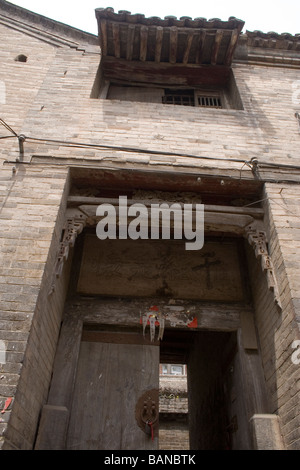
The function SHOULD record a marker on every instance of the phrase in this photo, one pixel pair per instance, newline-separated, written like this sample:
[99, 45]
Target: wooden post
[189, 41]
[158, 43]
[216, 47]
[201, 46]
[248, 394]
[173, 44]
[144, 42]
[116, 37]
[231, 48]
[130, 41]
[55, 415]
[103, 37]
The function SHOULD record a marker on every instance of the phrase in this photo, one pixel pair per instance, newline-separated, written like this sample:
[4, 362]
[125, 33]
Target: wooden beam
[169, 74]
[144, 42]
[216, 46]
[213, 221]
[189, 41]
[116, 37]
[257, 213]
[173, 44]
[130, 41]
[199, 54]
[210, 316]
[103, 37]
[233, 41]
[116, 337]
[158, 43]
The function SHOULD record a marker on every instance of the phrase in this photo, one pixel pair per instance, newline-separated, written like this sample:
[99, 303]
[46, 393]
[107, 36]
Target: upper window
[218, 97]
[171, 61]
[180, 97]
[209, 100]
[190, 97]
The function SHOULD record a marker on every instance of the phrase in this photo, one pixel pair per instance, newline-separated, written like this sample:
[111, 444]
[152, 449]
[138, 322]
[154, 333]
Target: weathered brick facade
[49, 97]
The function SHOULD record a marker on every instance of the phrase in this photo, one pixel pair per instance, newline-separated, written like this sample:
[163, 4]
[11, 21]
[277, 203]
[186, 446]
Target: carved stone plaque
[160, 268]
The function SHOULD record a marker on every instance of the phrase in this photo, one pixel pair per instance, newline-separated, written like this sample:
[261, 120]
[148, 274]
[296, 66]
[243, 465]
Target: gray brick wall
[173, 435]
[277, 330]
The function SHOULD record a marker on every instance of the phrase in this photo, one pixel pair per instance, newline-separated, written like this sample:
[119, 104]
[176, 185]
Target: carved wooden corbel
[74, 224]
[258, 240]
[297, 116]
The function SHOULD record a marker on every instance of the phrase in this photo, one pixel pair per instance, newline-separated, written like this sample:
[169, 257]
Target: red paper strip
[6, 405]
[193, 323]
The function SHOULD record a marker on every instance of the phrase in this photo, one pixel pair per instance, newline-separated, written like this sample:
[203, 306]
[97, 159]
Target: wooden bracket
[74, 224]
[297, 116]
[258, 240]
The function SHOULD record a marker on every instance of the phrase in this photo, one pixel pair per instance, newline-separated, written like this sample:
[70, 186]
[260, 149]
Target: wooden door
[113, 373]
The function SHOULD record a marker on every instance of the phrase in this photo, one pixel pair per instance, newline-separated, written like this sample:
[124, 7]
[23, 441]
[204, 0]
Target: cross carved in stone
[206, 265]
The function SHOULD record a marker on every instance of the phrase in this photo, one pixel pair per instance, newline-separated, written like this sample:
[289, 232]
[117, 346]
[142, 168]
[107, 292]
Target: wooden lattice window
[201, 97]
[180, 97]
[191, 97]
[208, 101]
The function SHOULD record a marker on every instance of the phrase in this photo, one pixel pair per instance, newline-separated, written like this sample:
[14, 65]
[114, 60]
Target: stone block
[266, 432]
[53, 428]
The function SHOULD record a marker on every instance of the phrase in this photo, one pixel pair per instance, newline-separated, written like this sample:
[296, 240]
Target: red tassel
[7, 403]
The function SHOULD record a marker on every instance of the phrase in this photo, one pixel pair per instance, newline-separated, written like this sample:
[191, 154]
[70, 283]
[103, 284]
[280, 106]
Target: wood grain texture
[110, 379]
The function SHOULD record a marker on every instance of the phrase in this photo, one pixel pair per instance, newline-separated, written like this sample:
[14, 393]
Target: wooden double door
[105, 384]
[114, 373]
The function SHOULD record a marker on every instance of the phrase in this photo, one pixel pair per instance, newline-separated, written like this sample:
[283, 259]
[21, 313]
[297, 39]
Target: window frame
[221, 93]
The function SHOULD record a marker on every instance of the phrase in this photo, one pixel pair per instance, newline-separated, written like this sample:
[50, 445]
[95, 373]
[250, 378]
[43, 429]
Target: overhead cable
[65, 143]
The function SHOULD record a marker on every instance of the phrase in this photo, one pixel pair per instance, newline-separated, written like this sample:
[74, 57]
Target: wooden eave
[272, 40]
[184, 41]
[269, 49]
[163, 74]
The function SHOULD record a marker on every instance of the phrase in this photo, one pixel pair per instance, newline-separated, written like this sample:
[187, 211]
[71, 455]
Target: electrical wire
[8, 127]
[7, 137]
[275, 202]
[71, 144]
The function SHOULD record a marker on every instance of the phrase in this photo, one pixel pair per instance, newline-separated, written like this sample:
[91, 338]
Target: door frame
[81, 311]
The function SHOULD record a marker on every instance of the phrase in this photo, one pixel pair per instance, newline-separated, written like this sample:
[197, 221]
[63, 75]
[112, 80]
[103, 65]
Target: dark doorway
[209, 356]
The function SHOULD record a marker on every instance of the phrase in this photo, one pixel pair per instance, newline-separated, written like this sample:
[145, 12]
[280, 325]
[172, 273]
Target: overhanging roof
[272, 40]
[169, 40]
